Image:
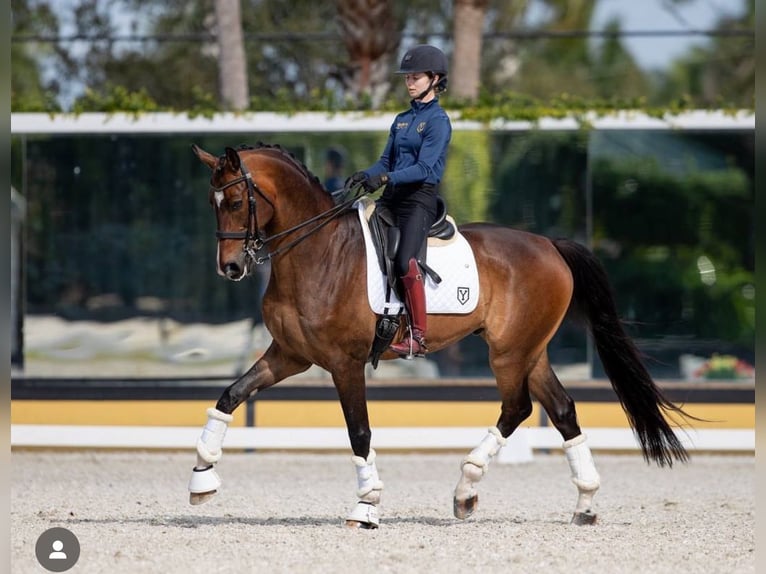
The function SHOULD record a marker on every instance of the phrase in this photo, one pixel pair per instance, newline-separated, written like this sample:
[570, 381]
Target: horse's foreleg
[205, 481]
[350, 384]
[369, 486]
[270, 369]
[560, 407]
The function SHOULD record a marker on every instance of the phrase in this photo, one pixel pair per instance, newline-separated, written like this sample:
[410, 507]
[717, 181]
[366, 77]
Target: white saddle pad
[453, 260]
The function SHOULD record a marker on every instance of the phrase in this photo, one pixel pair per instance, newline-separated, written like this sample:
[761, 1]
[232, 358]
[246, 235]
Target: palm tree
[232, 66]
[370, 33]
[468, 29]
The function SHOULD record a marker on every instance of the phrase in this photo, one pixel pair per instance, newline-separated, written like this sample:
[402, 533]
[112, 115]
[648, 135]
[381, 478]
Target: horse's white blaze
[218, 196]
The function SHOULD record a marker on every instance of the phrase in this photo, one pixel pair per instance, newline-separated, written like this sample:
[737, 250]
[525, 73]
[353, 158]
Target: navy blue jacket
[417, 145]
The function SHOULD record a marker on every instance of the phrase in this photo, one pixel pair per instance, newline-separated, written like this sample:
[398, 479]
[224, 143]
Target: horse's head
[263, 196]
[241, 207]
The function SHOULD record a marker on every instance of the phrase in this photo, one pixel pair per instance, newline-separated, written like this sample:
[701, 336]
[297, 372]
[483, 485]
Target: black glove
[354, 180]
[375, 182]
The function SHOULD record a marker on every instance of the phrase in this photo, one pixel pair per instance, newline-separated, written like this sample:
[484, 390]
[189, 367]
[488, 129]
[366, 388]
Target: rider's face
[416, 83]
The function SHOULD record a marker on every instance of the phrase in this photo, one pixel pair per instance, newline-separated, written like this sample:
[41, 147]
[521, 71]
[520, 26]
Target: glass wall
[119, 245]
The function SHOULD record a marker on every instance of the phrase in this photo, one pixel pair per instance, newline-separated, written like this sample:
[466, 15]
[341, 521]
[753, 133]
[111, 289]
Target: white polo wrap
[584, 473]
[369, 484]
[210, 444]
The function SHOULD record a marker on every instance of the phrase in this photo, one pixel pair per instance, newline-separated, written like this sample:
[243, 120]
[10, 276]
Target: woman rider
[411, 167]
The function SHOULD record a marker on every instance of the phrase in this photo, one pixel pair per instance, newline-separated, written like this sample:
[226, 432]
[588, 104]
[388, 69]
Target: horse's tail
[641, 399]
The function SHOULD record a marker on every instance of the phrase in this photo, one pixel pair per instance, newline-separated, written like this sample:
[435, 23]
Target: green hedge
[496, 106]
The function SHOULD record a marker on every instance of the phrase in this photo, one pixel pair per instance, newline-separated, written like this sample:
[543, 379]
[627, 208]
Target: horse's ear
[233, 158]
[206, 158]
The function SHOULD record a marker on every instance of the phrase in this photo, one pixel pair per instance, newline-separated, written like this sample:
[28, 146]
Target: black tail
[641, 399]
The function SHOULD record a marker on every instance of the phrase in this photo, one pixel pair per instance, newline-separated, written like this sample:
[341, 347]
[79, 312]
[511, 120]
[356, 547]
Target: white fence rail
[313, 122]
[520, 446]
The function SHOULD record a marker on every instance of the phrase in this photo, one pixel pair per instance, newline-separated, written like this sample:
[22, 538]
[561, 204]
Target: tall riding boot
[415, 300]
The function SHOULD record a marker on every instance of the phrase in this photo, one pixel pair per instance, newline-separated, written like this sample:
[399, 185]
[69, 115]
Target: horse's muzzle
[233, 271]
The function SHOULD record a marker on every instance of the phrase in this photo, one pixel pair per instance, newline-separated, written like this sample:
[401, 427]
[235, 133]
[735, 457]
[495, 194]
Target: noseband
[252, 240]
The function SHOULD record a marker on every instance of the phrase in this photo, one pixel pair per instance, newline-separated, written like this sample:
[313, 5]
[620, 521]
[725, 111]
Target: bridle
[253, 241]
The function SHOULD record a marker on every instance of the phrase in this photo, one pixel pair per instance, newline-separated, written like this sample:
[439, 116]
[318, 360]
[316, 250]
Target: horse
[316, 310]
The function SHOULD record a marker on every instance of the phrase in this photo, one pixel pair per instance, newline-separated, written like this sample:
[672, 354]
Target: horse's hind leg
[516, 406]
[274, 366]
[547, 389]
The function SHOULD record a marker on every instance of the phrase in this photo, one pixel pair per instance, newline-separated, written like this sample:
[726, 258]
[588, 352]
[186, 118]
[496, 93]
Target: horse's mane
[286, 154]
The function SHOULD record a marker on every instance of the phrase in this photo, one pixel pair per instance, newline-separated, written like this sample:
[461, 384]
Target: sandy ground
[283, 512]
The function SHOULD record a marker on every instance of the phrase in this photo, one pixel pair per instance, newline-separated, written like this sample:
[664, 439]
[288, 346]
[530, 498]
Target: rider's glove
[354, 180]
[375, 182]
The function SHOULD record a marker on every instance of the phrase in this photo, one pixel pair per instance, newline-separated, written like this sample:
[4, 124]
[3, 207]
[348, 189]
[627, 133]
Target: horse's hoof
[583, 518]
[465, 508]
[204, 481]
[356, 525]
[197, 498]
[364, 516]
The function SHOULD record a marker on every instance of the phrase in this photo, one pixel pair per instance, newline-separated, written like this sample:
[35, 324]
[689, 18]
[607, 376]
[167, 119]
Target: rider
[411, 167]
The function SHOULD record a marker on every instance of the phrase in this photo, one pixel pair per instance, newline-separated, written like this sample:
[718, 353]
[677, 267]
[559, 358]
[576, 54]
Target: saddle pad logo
[463, 295]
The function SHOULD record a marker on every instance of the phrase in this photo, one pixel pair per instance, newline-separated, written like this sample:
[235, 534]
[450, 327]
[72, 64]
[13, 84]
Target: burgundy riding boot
[415, 300]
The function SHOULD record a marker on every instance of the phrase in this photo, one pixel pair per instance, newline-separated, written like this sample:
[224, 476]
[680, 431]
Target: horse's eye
[236, 205]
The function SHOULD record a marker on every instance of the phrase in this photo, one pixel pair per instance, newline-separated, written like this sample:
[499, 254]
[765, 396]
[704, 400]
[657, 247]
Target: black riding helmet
[428, 59]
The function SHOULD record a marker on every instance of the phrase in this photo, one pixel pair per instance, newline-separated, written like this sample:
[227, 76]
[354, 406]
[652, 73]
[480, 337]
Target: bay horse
[316, 310]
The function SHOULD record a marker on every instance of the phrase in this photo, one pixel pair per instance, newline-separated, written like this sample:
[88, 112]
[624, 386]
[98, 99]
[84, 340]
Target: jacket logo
[421, 127]
[402, 125]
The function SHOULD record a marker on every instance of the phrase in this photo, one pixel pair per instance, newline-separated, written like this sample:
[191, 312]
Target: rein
[252, 240]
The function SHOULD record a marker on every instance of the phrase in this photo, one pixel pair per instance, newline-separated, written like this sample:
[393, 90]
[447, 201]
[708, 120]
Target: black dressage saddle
[385, 238]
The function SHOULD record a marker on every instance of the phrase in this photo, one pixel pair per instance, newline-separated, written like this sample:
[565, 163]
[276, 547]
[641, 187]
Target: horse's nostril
[231, 270]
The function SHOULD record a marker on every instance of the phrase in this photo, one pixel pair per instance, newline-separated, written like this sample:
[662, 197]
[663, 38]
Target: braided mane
[287, 155]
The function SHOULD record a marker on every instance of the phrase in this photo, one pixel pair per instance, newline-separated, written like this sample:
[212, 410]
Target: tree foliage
[28, 88]
[338, 55]
[722, 70]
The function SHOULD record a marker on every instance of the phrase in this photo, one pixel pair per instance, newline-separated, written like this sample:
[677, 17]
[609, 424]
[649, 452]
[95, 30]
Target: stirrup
[410, 340]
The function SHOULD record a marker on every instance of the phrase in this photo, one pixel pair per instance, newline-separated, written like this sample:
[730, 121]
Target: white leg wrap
[580, 460]
[584, 473]
[210, 444]
[475, 465]
[369, 484]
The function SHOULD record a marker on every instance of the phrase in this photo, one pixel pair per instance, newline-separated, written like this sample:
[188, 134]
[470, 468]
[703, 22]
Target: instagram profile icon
[57, 549]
